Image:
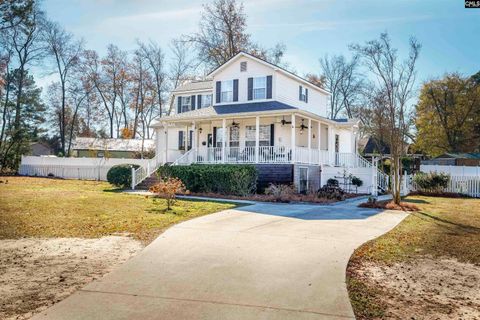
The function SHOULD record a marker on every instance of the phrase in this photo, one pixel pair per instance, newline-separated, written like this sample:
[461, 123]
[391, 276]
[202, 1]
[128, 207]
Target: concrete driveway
[263, 261]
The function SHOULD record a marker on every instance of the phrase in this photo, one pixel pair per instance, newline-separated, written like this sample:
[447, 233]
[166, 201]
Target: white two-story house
[251, 111]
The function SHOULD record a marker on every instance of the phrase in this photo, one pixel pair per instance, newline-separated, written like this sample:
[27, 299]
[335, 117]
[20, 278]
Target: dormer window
[227, 91]
[259, 88]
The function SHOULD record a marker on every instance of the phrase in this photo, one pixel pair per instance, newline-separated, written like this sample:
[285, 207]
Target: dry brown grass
[443, 228]
[50, 208]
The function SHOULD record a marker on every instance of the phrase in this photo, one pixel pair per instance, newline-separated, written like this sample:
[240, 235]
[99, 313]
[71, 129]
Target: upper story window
[259, 88]
[303, 94]
[243, 66]
[227, 91]
[186, 104]
[206, 100]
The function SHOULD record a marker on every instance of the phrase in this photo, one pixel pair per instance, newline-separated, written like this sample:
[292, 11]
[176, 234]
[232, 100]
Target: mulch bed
[269, 198]
[390, 205]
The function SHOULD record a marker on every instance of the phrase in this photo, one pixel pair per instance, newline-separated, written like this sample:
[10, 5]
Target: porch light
[235, 124]
[200, 130]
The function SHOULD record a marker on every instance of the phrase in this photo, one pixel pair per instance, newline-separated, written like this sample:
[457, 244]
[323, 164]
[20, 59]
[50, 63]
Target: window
[259, 88]
[264, 136]
[227, 91]
[206, 100]
[219, 138]
[303, 94]
[186, 104]
[181, 140]
[234, 136]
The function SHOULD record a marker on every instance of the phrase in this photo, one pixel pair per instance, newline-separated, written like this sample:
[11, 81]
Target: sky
[310, 29]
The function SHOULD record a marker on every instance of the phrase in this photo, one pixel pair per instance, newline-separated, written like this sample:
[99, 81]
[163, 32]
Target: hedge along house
[251, 111]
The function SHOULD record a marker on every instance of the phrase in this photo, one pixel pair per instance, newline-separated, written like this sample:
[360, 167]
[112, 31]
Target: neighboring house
[455, 159]
[40, 149]
[251, 111]
[111, 148]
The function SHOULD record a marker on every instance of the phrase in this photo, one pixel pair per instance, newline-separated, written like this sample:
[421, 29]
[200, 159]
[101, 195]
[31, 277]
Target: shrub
[168, 188]
[332, 182]
[431, 182]
[230, 179]
[357, 182]
[281, 192]
[121, 175]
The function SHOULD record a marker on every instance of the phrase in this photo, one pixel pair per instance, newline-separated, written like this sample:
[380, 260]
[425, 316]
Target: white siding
[286, 89]
[346, 144]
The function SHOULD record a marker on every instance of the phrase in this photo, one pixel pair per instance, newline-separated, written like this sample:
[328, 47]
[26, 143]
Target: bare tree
[180, 68]
[343, 81]
[155, 58]
[393, 87]
[65, 53]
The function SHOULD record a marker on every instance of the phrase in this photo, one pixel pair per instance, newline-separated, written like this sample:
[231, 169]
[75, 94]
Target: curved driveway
[263, 261]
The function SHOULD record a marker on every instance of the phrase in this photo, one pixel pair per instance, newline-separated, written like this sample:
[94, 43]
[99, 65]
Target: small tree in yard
[168, 188]
[390, 92]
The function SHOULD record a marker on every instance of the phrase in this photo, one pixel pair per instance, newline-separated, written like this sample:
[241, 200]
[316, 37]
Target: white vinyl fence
[72, 168]
[451, 170]
[467, 185]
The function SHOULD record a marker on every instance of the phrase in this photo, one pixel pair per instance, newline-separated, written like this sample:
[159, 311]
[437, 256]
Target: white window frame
[186, 103]
[259, 88]
[264, 136]
[303, 94]
[206, 98]
[226, 94]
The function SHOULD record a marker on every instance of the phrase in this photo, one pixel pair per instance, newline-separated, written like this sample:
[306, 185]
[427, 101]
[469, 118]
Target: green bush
[231, 179]
[431, 182]
[357, 182]
[121, 175]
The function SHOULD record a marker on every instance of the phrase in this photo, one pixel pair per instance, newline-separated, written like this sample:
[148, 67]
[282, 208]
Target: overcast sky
[449, 33]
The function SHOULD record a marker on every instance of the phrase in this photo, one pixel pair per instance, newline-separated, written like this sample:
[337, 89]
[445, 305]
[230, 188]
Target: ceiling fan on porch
[303, 126]
[235, 124]
[284, 122]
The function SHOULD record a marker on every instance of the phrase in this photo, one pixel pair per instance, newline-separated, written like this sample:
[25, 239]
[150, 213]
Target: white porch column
[319, 142]
[257, 138]
[292, 140]
[309, 140]
[224, 139]
[331, 144]
[165, 155]
[194, 135]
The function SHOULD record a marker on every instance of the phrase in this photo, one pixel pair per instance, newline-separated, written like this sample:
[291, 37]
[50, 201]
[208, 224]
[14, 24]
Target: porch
[263, 139]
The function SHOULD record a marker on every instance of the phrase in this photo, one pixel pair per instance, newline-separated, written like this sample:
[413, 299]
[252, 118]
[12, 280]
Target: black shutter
[250, 88]
[192, 102]
[214, 137]
[179, 105]
[190, 139]
[199, 101]
[218, 90]
[180, 140]
[300, 93]
[269, 87]
[235, 90]
[306, 95]
[272, 134]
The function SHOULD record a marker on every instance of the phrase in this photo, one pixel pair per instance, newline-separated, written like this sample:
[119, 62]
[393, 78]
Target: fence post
[133, 178]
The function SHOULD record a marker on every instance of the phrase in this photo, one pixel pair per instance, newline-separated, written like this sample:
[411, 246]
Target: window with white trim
[206, 100]
[227, 91]
[234, 136]
[186, 104]
[303, 94]
[264, 136]
[259, 88]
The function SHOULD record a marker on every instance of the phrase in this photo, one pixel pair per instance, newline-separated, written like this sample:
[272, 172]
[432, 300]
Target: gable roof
[375, 146]
[269, 64]
[112, 144]
[196, 85]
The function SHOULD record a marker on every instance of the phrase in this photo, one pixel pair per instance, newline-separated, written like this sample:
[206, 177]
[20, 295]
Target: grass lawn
[444, 232]
[40, 207]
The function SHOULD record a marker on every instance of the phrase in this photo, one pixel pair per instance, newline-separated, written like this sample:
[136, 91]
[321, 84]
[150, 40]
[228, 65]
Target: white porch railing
[143, 172]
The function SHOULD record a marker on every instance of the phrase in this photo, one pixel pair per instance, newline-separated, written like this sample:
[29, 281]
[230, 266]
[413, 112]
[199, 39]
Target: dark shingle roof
[340, 120]
[375, 146]
[470, 155]
[231, 108]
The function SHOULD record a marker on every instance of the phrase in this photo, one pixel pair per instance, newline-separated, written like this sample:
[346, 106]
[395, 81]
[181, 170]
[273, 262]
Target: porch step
[147, 183]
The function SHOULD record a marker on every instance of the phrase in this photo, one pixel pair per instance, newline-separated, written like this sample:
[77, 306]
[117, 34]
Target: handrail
[141, 173]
